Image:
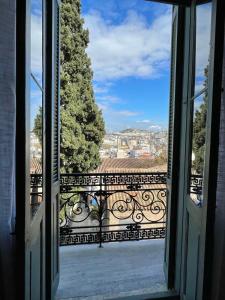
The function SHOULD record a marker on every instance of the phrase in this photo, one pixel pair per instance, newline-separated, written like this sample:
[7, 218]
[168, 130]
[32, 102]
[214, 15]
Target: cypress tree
[38, 125]
[199, 131]
[82, 125]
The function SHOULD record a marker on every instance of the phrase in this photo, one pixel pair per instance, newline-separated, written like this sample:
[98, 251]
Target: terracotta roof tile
[129, 165]
[35, 166]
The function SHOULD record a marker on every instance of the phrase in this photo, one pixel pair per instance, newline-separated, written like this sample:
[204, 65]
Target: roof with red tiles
[35, 165]
[129, 165]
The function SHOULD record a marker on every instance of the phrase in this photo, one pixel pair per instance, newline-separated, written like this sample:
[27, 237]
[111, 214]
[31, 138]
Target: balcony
[113, 225]
[112, 207]
[115, 271]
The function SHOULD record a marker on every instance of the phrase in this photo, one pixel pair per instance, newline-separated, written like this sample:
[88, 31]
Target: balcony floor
[118, 270]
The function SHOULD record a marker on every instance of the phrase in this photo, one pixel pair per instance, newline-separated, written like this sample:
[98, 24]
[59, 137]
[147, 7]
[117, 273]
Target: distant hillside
[136, 130]
[130, 130]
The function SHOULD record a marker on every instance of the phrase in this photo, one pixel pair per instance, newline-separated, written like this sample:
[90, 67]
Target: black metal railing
[196, 184]
[110, 207]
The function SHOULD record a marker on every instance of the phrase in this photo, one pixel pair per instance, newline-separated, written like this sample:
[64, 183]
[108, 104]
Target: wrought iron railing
[110, 207]
[196, 184]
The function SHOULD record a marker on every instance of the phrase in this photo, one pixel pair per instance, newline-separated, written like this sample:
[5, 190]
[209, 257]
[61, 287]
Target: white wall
[218, 276]
[7, 145]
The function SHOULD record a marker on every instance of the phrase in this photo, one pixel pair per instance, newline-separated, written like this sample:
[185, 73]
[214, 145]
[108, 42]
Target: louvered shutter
[52, 147]
[56, 137]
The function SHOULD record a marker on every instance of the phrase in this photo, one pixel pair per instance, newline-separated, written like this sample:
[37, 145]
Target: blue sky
[36, 59]
[130, 43]
[130, 52]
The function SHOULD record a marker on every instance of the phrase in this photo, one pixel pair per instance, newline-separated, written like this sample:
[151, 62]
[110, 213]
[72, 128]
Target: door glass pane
[199, 101]
[198, 147]
[203, 33]
[36, 40]
[36, 105]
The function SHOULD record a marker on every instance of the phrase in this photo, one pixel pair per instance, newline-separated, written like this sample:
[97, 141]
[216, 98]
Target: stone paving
[117, 270]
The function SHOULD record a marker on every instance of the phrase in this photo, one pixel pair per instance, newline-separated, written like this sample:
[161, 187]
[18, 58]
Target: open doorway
[81, 194]
[114, 154]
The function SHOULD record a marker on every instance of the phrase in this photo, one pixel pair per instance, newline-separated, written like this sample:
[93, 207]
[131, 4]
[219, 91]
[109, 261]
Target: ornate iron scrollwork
[91, 204]
[109, 207]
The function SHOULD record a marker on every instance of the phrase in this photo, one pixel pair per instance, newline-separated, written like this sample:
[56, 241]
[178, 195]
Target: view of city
[118, 106]
[135, 143]
[148, 146]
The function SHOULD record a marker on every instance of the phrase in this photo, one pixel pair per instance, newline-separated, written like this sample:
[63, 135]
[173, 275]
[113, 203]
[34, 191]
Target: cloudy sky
[35, 59]
[130, 42]
[130, 52]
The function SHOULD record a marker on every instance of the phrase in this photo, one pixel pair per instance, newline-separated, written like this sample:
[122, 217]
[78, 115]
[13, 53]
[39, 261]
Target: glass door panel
[202, 45]
[199, 101]
[36, 104]
[198, 147]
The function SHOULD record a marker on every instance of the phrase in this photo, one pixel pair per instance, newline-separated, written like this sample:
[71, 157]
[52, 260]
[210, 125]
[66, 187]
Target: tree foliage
[38, 125]
[82, 125]
[199, 131]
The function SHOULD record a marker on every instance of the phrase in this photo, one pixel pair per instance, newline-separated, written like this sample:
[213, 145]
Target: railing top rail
[117, 173]
[112, 174]
[114, 179]
[128, 181]
[196, 176]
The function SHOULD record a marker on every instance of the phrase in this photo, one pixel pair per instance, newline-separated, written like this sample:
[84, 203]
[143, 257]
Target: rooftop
[130, 165]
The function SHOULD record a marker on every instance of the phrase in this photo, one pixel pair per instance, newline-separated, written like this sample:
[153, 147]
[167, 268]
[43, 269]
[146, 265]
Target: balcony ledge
[115, 271]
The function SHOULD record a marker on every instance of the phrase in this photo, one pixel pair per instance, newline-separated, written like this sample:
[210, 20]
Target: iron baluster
[101, 211]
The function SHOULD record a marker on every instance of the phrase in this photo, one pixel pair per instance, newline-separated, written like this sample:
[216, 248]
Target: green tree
[82, 125]
[199, 130]
[38, 125]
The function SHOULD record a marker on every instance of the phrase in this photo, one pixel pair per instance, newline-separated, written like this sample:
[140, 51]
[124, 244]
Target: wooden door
[197, 106]
[174, 141]
[30, 149]
[197, 44]
[199, 144]
[52, 149]
[37, 178]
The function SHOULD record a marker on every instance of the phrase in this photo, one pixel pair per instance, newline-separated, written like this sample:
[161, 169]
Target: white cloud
[112, 113]
[102, 87]
[155, 127]
[36, 44]
[149, 125]
[102, 106]
[144, 121]
[127, 113]
[203, 28]
[133, 47]
[109, 99]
